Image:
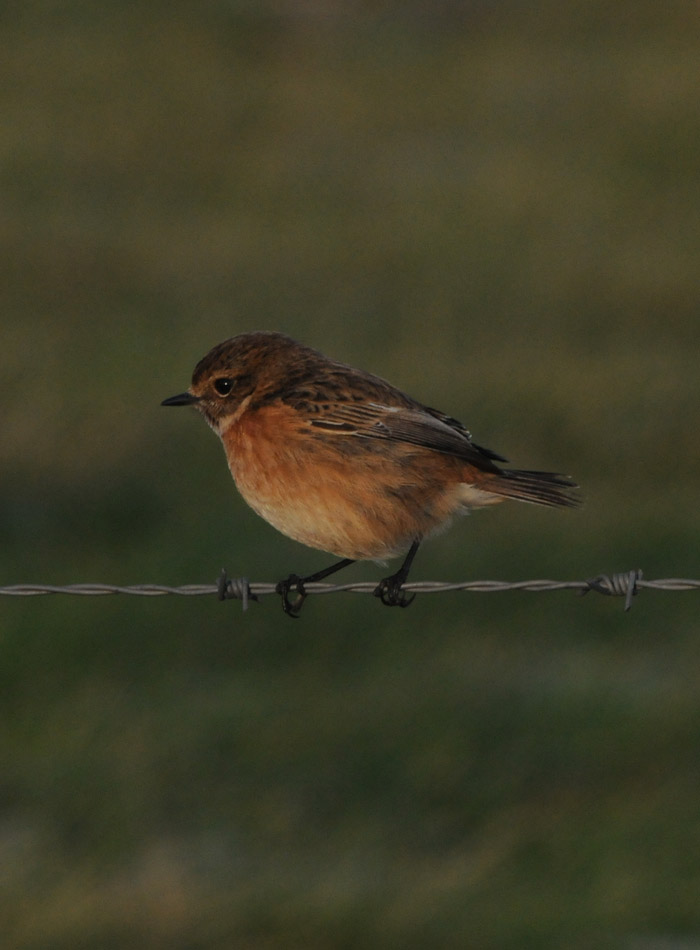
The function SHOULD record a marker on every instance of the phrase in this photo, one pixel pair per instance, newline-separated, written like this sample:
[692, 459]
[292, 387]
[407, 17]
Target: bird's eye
[223, 385]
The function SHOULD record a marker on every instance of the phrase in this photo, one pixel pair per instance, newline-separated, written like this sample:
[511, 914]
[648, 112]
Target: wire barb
[235, 588]
[623, 584]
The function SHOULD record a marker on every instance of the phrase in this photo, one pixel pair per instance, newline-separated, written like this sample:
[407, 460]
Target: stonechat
[343, 461]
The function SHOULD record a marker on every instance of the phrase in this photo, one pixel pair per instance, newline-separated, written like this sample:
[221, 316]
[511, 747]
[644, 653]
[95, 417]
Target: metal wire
[624, 584]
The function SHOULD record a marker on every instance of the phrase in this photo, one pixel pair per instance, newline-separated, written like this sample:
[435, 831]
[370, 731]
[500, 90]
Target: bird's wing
[412, 423]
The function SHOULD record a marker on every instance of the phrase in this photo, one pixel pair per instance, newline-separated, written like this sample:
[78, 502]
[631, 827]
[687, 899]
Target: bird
[343, 461]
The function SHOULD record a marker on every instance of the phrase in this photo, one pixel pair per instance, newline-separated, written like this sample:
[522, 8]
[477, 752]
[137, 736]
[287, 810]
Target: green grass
[495, 208]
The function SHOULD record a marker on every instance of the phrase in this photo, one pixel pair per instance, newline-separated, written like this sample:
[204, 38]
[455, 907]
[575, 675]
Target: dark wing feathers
[458, 427]
[412, 424]
[339, 406]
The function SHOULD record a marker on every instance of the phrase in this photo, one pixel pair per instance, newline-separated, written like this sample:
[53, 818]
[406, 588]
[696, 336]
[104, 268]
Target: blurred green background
[496, 206]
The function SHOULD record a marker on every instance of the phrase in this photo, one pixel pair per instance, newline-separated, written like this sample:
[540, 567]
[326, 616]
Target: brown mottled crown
[249, 351]
[263, 366]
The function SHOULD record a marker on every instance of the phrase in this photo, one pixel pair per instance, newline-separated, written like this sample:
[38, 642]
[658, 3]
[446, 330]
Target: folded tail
[539, 488]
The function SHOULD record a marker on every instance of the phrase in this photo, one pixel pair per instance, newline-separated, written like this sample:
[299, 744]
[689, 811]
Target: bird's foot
[292, 607]
[390, 593]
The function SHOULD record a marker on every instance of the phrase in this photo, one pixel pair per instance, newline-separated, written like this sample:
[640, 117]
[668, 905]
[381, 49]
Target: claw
[390, 593]
[389, 589]
[292, 607]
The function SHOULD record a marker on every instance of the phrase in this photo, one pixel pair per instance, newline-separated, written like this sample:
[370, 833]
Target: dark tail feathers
[539, 488]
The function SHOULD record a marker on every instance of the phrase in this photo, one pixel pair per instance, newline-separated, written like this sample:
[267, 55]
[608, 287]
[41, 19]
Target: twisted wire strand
[623, 584]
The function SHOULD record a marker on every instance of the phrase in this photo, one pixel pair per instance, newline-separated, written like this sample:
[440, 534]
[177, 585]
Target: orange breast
[356, 498]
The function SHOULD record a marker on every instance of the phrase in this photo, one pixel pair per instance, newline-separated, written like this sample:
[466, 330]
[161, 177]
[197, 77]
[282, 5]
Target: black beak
[184, 399]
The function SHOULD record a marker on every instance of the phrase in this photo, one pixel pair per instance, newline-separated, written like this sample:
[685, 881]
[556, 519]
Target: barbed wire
[623, 584]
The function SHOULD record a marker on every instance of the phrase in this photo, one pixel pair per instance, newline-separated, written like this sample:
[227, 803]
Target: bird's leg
[293, 607]
[389, 589]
